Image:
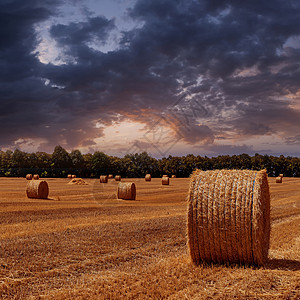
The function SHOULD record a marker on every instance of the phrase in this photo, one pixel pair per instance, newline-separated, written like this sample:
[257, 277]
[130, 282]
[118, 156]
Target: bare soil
[83, 243]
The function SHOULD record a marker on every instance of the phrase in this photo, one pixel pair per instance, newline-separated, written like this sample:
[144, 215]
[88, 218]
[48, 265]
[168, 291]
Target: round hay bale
[280, 175]
[229, 217]
[165, 181]
[73, 176]
[103, 179]
[69, 176]
[37, 189]
[126, 191]
[279, 179]
[36, 177]
[117, 178]
[28, 176]
[148, 177]
[173, 176]
[110, 176]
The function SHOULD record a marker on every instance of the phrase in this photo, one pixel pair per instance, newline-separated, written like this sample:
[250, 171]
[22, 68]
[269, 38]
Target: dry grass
[103, 179]
[37, 189]
[117, 178]
[90, 245]
[126, 190]
[229, 216]
[78, 181]
[165, 180]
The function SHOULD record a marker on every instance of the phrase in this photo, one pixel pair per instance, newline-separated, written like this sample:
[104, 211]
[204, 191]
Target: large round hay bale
[126, 191]
[173, 176]
[103, 179]
[28, 176]
[36, 177]
[117, 178]
[165, 181]
[229, 217]
[280, 175]
[73, 176]
[279, 179]
[37, 189]
[110, 176]
[148, 177]
[69, 176]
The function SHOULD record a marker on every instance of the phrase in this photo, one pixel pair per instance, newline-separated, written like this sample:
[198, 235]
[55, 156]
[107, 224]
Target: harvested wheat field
[84, 243]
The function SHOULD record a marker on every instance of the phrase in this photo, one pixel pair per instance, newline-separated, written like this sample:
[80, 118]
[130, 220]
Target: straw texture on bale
[69, 176]
[229, 217]
[110, 176]
[103, 179]
[148, 177]
[36, 176]
[173, 176]
[165, 181]
[73, 176]
[279, 179]
[37, 189]
[280, 175]
[29, 176]
[117, 178]
[126, 191]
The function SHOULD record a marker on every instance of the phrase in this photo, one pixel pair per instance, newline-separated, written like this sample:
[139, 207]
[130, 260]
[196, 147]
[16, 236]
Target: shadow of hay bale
[283, 264]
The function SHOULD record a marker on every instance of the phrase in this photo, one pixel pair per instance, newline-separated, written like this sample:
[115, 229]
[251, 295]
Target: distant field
[83, 243]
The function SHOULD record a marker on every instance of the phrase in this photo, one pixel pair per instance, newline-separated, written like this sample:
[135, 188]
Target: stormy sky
[172, 77]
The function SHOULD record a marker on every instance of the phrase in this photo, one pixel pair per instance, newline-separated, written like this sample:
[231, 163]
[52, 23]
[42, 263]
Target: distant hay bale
[78, 181]
[110, 176]
[148, 177]
[280, 175]
[37, 189]
[229, 217]
[165, 181]
[103, 179]
[173, 176]
[28, 176]
[117, 178]
[36, 176]
[279, 179]
[69, 176]
[73, 176]
[126, 191]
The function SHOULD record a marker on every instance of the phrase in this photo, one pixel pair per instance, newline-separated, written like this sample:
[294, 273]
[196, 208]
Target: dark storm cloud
[20, 85]
[17, 37]
[76, 34]
[29, 108]
[231, 57]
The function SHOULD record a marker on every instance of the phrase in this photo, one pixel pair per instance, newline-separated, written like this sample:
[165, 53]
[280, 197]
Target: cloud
[231, 58]
[222, 149]
[95, 29]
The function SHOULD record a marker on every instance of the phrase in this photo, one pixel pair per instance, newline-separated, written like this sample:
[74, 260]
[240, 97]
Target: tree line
[60, 163]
